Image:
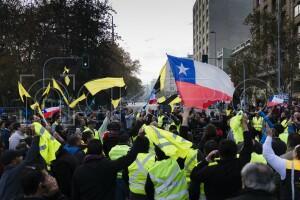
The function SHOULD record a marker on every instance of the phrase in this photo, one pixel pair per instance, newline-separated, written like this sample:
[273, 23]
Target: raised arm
[277, 163]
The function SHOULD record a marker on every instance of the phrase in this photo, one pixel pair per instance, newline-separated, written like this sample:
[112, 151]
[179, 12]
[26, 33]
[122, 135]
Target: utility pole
[278, 45]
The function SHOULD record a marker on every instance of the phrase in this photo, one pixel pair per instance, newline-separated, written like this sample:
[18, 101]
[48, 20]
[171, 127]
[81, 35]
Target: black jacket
[63, 169]
[57, 196]
[96, 178]
[10, 183]
[254, 194]
[224, 179]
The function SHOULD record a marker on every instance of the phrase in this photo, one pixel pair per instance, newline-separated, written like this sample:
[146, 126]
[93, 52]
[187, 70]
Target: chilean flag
[274, 101]
[152, 99]
[199, 84]
[49, 112]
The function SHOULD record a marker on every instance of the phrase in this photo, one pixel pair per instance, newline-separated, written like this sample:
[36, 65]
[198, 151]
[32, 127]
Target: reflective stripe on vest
[160, 120]
[168, 180]
[138, 172]
[190, 163]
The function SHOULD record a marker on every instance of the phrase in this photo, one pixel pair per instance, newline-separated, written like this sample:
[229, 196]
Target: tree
[32, 33]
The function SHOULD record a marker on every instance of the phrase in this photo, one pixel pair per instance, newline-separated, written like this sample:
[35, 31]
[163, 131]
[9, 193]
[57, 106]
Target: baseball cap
[10, 155]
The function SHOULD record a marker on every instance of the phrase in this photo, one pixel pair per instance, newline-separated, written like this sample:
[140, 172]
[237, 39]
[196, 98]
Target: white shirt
[14, 139]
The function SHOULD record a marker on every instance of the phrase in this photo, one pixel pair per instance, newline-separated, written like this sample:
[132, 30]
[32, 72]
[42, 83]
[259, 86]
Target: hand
[211, 155]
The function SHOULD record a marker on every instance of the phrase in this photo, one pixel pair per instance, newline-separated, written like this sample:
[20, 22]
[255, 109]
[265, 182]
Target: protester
[288, 170]
[96, 178]
[10, 184]
[224, 177]
[258, 183]
[39, 185]
[16, 137]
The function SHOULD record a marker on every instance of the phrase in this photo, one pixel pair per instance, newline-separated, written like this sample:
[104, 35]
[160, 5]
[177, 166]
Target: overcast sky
[152, 28]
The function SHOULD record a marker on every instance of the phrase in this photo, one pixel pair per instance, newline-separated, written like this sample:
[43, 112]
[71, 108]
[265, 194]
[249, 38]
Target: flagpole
[26, 113]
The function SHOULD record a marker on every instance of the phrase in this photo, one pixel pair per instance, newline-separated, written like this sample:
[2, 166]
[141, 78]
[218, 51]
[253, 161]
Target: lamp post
[278, 45]
[215, 34]
[112, 28]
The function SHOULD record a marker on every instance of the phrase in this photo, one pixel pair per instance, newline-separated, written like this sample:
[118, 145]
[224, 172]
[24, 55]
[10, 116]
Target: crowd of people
[234, 155]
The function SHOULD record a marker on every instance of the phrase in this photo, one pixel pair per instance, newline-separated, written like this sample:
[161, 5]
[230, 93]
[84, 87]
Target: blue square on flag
[183, 69]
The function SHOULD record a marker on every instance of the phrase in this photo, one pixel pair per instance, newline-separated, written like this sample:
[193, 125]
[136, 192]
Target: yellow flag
[23, 92]
[67, 80]
[76, 101]
[36, 106]
[56, 86]
[66, 70]
[162, 78]
[98, 85]
[46, 92]
[115, 102]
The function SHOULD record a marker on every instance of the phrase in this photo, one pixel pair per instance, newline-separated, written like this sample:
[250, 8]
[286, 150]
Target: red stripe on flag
[198, 96]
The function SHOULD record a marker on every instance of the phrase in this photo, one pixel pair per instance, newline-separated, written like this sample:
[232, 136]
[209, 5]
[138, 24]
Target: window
[297, 10]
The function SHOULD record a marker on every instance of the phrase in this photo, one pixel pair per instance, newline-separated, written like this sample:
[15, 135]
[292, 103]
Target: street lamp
[112, 28]
[215, 34]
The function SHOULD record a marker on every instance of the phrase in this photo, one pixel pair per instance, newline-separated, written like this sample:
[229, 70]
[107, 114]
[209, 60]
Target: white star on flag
[182, 69]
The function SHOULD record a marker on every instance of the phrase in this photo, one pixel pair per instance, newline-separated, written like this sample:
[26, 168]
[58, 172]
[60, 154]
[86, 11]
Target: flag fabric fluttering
[66, 73]
[49, 112]
[98, 85]
[274, 101]
[160, 83]
[76, 101]
[22, 92]
[199, 84]
[152, 99]
[117, 94]
[57, 87]
[47, 90]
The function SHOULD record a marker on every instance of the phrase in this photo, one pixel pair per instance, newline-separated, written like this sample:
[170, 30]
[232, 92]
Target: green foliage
[32, 33]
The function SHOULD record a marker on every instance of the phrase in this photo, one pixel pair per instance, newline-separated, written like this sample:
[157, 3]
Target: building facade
[219, 24]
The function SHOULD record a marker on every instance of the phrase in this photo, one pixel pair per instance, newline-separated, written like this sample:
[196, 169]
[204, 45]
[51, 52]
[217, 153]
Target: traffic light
[85, 62]
[205, 58]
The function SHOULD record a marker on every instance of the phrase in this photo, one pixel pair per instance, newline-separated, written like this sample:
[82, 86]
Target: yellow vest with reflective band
[138, 172]
[257, 123]
[202, 192]
[257, 158]
[285, 124]
[171, 144]
[48, 144]
[236, 127]
[160, 121]
[189, 163]
[117, 152]
[168, 180]
[177, 126]
[94, 132]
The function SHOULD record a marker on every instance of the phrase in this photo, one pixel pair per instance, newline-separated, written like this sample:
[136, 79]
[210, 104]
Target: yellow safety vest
[189, 163]
[257, 123]
[117, 152]
[160, 121]
[171, 144]
[138, 171]
[48, 144]
[257, 158]
[94, 132]
[168, 180]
